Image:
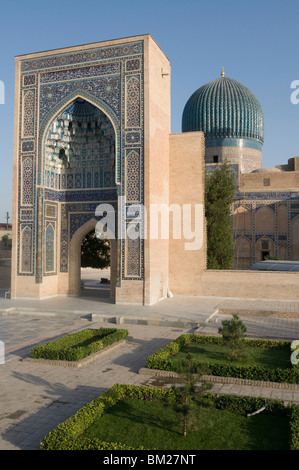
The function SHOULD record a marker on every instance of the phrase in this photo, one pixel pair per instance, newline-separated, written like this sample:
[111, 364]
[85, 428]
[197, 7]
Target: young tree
[233, 332]
[188, 397]
[220, 187]
[95, 253]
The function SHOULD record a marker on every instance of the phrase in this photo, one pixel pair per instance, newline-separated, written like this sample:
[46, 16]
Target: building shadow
[60, 403]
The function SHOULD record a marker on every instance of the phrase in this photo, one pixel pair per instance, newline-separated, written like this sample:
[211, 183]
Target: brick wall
[250, 284]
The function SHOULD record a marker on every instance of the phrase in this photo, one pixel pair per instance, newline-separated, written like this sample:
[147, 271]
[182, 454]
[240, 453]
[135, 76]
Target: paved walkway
[35, 398]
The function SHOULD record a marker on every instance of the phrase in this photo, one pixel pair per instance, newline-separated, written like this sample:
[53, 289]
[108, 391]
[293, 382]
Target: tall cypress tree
[220, 187]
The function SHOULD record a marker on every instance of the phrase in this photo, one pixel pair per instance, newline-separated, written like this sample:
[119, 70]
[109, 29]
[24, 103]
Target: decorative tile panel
[28, 113]
[133, 101]
[26, 248]
[50, 248]
[133, 175]
[27, 180]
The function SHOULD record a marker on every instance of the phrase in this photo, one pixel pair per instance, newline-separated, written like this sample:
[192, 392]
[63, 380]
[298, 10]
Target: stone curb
[76, 364]
[221, 380]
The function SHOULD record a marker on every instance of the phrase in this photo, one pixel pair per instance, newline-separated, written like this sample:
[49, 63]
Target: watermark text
[159, 221]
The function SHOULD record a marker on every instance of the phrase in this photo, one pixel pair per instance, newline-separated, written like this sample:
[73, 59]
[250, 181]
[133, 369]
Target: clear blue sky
[256, 42]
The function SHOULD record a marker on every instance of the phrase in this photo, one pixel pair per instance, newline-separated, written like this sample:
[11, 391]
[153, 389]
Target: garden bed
[129, 417]
[80, 347]
[264, 360]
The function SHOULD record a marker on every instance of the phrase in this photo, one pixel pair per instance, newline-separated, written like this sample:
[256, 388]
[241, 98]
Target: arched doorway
[75, 260]
[95, 266]
[78, 174]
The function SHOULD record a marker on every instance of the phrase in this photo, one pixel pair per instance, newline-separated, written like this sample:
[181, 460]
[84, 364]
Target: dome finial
[222, 72]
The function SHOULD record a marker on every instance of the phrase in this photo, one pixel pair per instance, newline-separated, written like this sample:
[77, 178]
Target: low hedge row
[68, 435]
[76, 346]
[163, 359]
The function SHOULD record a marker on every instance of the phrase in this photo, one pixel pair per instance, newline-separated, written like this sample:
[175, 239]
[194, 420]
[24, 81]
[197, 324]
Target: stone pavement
[37, 397]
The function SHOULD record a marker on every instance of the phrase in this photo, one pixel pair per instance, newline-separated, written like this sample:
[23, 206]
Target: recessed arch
[264, 248]
[242, 219]
[60, 107]
[265, 220]
[282, 216]
[243, 253]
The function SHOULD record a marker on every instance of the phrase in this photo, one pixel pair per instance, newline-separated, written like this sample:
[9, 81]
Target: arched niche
[243, 253]
[79, 149]
[242, 219]
[265, 220]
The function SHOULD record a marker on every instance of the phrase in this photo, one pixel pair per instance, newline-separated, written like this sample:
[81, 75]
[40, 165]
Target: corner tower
[232, 121]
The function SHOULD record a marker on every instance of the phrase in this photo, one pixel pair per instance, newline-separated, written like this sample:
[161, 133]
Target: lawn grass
[253, 356]
[152, 425]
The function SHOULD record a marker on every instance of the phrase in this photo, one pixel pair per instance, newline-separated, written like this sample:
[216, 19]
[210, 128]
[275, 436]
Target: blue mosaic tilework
[278, 196]
[50, 248]
[81, 72]
[106, 89]
[26, 235]
[100, 53]
[29, 80]
[28, 127]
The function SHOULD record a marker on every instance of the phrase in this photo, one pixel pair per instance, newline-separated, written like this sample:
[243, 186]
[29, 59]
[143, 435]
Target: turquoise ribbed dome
[226, 111]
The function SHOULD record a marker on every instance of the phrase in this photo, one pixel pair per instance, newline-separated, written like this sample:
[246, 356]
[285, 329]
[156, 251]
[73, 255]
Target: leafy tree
[220, 187]
[233, 332]
[95, 253]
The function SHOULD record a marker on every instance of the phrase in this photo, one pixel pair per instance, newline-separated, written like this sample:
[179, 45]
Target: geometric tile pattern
[133, 176]
[50, 249]
[27, 181]
[29, 113]
[26, 247]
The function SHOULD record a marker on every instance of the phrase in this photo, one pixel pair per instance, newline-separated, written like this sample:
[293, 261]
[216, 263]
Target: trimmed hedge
[163, 359]
[76, 346]
[68, 435]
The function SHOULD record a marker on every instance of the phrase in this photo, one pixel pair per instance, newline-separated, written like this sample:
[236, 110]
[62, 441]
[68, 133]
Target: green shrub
[76, 346]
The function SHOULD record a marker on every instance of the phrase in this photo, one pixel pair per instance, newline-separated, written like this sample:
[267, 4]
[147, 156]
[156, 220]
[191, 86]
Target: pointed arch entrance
[78, 167]
[75, 259]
